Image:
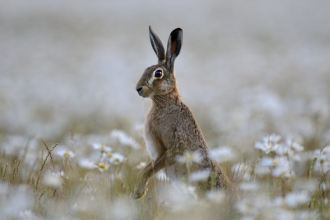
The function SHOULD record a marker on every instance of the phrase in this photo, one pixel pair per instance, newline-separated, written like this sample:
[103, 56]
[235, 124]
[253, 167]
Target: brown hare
[171, 129]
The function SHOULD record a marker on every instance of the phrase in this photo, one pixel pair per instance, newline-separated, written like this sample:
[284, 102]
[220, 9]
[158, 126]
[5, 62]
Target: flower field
[256, 75]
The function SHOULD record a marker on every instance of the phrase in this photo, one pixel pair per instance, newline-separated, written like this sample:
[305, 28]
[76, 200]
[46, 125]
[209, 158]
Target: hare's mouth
[139, 90]
[143, 92]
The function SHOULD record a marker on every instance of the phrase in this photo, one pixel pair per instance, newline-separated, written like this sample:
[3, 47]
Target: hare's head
[159, 79]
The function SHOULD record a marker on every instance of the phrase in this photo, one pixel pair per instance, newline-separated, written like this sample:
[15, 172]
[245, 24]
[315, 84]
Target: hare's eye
[158, 73]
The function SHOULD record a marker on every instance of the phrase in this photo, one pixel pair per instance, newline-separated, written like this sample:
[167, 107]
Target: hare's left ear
[157, 45]
[173, 47]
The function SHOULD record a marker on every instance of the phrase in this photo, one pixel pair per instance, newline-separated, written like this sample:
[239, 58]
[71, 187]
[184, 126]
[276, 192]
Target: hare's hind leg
[143, 177]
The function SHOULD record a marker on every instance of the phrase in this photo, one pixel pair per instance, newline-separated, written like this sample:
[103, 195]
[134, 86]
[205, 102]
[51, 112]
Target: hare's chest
[153, 141]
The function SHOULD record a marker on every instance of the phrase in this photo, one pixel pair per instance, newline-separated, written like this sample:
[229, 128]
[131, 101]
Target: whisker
[156, 107]
[149, 88]
[161, 98]
[158, 101]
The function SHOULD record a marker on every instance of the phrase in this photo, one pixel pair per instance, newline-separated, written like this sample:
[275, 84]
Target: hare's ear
[157, 45]
[173, 47]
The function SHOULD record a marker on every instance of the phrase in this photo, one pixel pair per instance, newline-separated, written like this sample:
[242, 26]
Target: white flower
[278, 201]
[190, 157]
[122, 208]
[19, 198]
[296, 199]
[179, 196]
[284, 150]
[323, 154]
[296, 146]
[124, 139]
[108, 155]
[199, 175]
[249, 186]
[87, 164]
[116, 158]
[189, 190]
[53, 180]
[66, 153]
[273, 138]
[101, 147]
[322, 166]
[307, 215]
[281, 166]
[248, 207]
[323, 186]
[290, 150]
[283, 170]
[141, 165]
[269, 144]
[27, 214]
[102, 167]
[216, 196]
[323, 159]
[281, 213]
[276, 161]
[222, 154]
[161, 175]
[60, 174]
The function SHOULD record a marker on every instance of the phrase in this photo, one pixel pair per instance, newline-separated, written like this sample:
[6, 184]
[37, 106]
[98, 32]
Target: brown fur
[170, 128]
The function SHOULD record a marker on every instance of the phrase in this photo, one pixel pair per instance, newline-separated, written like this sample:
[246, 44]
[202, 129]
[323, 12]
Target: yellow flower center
[102, 166]
[109, 154]
[117, 160]
[67, 154]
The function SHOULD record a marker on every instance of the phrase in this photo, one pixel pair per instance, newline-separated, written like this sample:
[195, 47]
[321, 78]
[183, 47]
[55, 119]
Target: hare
[171, 129]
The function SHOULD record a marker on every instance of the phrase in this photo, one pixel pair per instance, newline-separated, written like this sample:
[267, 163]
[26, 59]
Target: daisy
[270, 143]
[87, 164]
[222, 154]
[52, 180]
[199, 175]
[124, 139]
[295, 199]
[190, 157]
[66, 154]
[109, 154]
[101, 147]
[27, 214]
[216, 196]
[141, 165]
[102, 167]
[117, 158]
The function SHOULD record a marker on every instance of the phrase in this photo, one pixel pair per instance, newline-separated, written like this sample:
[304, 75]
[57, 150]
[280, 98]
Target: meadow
[256, 75]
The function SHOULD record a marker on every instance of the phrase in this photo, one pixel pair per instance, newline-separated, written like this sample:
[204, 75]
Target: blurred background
[246, 69]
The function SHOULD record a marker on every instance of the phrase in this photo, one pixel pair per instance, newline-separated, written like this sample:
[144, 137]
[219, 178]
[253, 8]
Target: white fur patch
[151, 147]
[152, 78]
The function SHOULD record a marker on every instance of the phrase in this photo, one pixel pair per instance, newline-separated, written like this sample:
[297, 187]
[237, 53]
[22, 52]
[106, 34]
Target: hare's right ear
[173, 47]
[157, 45]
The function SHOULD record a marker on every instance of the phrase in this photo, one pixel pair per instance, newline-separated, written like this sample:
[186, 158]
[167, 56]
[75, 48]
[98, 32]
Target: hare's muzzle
[139, 90]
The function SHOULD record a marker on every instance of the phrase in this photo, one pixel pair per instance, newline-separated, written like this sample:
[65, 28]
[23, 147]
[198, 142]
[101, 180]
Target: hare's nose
[139, 89]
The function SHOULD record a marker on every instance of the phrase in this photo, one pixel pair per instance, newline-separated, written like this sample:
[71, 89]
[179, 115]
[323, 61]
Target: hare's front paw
[139, 191]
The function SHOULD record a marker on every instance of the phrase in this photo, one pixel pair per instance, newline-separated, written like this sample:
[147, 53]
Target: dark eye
[158, 73]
